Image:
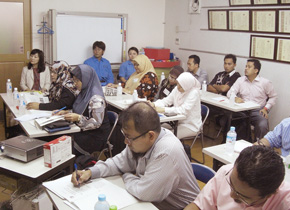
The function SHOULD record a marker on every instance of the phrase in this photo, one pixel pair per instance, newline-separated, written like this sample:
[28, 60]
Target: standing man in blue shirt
[101, 65]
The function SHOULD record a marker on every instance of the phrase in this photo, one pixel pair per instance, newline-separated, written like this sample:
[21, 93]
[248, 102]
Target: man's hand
[160, 109]
[239, 100]
[32, 105]
[83, 177]
[264, 113]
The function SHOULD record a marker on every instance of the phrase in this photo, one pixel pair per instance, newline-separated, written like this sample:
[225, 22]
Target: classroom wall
[211, 46]
[145, 18]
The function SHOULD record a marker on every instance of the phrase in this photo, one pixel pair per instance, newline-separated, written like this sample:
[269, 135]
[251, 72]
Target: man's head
[257, 174]
[252, 68]
[230, 63]
[193, 63]
[99, 48]
[140, 126]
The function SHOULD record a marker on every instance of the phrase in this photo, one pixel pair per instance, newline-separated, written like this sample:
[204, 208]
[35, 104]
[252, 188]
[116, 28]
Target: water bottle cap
[204, 82]
[162, 73]
[119, 84]
[8, 80]
[233, 128]
[15, 88]
[102, 197]
[113, 207]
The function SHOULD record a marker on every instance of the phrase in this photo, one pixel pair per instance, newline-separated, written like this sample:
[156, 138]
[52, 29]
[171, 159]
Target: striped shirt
[280, 137]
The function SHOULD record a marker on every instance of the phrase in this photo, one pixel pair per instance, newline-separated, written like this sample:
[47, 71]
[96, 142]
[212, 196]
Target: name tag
[166, 92]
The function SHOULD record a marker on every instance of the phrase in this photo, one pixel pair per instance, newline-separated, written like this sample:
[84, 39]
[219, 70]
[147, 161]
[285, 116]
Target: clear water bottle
[22, 105]
[9, 88]
[102, 204]
[231, 140]
[204, 87]
[232, 99]
[119, 91]
[162, 77]
[113, 207]
[135, 96]
[16, 97]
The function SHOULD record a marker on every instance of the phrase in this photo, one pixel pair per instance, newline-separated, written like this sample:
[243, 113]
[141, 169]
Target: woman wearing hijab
[144, 80]
[62, 92]
[89, 112]
[185, 100]
[35, 76]
[168, 84]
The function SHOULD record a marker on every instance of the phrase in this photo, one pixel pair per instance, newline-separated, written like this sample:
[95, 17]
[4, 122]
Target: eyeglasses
[132, 139]
[239, 195]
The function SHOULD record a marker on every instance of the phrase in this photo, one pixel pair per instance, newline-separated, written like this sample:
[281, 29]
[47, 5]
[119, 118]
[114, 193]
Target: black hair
[144, 116]
[41, 63]
[135, 49]
[231, 56]
[99, 44]
[195, 58]
[261, 168]
[256, 63]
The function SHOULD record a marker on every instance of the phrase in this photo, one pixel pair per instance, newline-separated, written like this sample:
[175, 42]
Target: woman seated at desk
[183, 100]
[35, 76]
[168, 84]
[127, 68]
[62, 92]
[89, 112]
[144, 80]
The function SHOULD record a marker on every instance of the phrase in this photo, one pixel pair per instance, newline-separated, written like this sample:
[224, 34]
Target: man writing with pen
[154, 165]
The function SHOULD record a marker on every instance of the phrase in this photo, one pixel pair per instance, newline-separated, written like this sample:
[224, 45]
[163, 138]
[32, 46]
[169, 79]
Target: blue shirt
[126, 69]
[102, 68]
[280, 137]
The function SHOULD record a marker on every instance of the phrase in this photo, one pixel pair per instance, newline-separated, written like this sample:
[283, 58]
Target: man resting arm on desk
[154, 165]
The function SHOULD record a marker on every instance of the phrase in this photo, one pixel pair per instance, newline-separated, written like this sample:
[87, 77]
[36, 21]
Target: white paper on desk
[28, 117]
[240, 145]
[86, 196]
[44, 121]
[35, 97]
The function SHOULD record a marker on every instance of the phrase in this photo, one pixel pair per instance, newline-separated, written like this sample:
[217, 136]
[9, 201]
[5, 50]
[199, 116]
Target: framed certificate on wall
[264, 21]
[283, 50]
[239, 20]
[240, 2]
[284, 21]
[217, 19]
[262, 47]
[265, 2]
[285, 2]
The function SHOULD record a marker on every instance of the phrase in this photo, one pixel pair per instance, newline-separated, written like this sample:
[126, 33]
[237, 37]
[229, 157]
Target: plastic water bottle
[113, 207]
[22, 105]
[119, 91]
[231, 140]
[204, 87]
[9, 88]
[16, 96]
[232, 99]
[135, 96]
[162, 77]
[102, 204]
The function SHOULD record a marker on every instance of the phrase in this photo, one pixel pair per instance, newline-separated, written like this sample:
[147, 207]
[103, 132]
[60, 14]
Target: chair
[202, 173]
[204, 115]
[113, 119]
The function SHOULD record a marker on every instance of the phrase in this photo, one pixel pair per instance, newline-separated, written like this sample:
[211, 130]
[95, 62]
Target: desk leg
[5, 122]
[227, 127]
[175, 127]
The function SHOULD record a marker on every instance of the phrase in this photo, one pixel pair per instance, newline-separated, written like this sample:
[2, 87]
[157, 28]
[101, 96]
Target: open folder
[41, 122]
[85, 196]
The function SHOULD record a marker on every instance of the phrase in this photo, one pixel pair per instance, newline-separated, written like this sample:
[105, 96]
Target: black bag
[85, 161]
[57, 124]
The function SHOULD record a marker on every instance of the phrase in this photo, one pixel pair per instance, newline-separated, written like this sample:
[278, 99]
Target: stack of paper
[44, 121]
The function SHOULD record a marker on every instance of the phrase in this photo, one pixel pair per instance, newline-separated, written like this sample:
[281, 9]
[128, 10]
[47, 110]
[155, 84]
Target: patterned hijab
[145, 66]
[63, 80]
[189, 83]
[90, 86]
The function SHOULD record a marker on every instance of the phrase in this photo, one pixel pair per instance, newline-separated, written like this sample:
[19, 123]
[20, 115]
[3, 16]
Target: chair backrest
[204, 113]
[113, 119]
[202, 172]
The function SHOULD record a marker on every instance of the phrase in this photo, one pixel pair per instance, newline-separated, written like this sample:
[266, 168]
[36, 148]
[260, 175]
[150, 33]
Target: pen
[77, 176]
[222, 100]
[59, 110]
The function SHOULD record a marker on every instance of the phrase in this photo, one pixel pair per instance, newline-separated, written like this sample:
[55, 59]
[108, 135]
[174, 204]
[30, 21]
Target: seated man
[279, 137]
[253, 87]
[223, 81]
[154, 165]
[195, 70]
[254, 182]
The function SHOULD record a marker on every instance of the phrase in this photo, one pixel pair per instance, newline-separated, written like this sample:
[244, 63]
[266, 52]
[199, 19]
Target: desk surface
[218, 152]
[33, 170]
[117, 180]
[210, 98]
[29, 128]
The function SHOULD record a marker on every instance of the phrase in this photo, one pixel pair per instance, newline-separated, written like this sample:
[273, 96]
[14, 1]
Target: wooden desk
[209, 99]
[218, 152]
[34, 170]
[29, 128]
[117, 180]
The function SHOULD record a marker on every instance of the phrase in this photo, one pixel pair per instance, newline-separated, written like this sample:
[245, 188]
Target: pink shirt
[216, 195]
[257, 91]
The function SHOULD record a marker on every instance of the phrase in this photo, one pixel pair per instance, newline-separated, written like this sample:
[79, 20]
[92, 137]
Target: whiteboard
[75, 35]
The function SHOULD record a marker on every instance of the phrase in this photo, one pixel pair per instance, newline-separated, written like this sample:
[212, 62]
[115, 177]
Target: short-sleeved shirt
[222, 78]
[102, 68]
[126, 69]
[200, 75]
